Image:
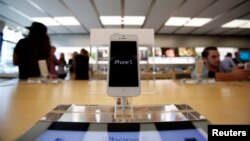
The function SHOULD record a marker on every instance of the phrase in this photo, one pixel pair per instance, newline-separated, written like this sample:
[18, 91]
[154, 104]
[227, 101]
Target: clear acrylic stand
[123, 109]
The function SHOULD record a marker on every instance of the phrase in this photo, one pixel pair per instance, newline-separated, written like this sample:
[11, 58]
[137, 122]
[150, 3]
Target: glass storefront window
[10, 38]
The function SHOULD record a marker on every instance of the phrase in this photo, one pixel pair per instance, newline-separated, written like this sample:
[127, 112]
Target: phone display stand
[99, 87]
[123, 112]
[43, 80]
[195, 81]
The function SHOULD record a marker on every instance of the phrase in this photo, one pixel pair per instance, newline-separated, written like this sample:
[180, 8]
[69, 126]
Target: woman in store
[36, 46]
[82, 65]
[61, 67]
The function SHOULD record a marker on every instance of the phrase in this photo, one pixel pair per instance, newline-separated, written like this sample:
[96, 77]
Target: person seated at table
[228, 64]
[212, 68]
[237, 59]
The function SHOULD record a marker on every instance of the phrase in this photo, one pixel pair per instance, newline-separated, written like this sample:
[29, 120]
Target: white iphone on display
[123, 71]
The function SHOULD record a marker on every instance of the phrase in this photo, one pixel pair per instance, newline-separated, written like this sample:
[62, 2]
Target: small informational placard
[43, 68]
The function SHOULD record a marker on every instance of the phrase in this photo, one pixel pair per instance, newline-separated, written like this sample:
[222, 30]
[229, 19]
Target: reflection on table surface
[106, 114]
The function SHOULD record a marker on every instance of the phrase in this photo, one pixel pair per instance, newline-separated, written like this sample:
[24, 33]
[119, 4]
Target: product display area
[105, 114]
[93, 122]
[122, 132]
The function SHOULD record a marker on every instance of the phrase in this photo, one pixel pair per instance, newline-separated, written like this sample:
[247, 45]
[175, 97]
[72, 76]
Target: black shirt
[81, 67]
[28, 53]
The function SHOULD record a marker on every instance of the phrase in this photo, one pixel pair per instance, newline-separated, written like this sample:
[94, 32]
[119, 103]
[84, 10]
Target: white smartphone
[123, 71]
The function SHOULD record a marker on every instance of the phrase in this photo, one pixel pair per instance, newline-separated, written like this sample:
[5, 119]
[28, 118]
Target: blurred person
[36, 46]
[61, 67]
[228, 64]
[72, 62]
[158, 52]
[236, 58]
[212, 68]
[169, 53]
[53, 62]
[82, 65]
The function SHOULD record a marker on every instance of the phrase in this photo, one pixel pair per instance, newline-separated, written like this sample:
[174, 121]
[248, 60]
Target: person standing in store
[72, 62]
[61, 67]
[82, 65]
[53, 62]
[36, 46]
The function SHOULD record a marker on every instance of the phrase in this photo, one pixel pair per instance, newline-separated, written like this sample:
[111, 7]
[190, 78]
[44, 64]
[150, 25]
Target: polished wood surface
[23, 104]
[100, 75]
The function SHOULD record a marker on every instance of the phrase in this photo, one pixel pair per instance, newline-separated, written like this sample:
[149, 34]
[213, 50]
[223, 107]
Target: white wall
[201, 41]
[161, 41]
[70, 40]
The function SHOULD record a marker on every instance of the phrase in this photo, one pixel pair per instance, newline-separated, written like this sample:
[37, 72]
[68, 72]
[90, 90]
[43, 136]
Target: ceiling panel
[168, 29]
[76, 29]
[219, 7]
[25, 7]
[246, 17]
[108, 7]
[246, 32]
[10, 24]
[132, 26]
[185, 30]
[217, 31]
[192, 7]
[160, 12]
[228, 31]
[18, 18]
[59, 29]
[53, 7]
[234, 13]
[137, 7]
[157, 12]
[85, 13]
[233, 31]
[112, 26]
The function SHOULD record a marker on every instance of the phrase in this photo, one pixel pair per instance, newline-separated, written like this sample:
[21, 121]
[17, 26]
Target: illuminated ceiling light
[198, 22]
[134, 20]
[177, 21]
[246, 25]
[187, 21]
[126, 20]
[111, 20]
[67, 21]
[57, 21]
[238, 23]
[46, 21]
